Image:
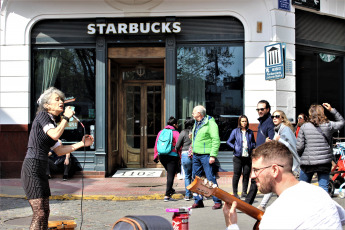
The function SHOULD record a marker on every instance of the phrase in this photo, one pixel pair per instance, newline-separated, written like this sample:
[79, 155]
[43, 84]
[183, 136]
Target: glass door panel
[144, 111]
[133, 101]
[132, 124]
[154, 114]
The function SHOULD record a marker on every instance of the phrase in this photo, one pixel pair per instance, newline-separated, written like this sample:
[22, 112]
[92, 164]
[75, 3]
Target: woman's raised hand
[68, 112]
[327, 106]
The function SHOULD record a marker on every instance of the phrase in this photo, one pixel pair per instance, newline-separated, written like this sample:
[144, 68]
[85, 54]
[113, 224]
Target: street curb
[107, 197]
[101, 197]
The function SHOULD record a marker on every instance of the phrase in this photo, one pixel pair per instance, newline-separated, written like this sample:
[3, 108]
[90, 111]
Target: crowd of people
[282, 161]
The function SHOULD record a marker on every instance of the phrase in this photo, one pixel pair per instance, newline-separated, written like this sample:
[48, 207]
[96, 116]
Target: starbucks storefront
[128, 75]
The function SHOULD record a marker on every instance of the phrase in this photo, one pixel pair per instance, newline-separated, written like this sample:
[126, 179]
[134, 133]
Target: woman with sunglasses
[284, 134]
[301, 118]
[242, 141]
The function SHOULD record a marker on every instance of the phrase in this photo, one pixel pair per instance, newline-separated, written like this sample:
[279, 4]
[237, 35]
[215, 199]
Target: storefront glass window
[211, 76]
[73, 72]
[319, 79]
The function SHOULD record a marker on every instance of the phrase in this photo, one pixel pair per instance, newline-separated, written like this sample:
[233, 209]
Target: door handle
[145, 130]
[142, 131]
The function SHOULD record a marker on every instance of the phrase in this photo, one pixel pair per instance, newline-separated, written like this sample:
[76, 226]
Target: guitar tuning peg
[205, 181]
[214, 186]
[210, 183]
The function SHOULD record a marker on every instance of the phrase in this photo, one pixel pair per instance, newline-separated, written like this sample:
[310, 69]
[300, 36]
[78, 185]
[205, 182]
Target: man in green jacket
[205, 143]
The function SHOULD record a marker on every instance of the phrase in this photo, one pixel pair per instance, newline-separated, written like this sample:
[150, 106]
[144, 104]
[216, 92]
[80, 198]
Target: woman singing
[44, 136]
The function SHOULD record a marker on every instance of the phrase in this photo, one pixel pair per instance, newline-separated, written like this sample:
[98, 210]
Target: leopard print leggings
[40, 208]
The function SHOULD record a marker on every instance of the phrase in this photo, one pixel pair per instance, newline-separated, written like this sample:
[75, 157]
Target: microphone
[77, 119]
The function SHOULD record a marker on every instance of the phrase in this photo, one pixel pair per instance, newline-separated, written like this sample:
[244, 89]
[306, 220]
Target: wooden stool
[62, 224]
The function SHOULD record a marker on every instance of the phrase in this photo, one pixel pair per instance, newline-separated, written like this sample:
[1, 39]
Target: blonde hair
[285, 120]
[317, 115]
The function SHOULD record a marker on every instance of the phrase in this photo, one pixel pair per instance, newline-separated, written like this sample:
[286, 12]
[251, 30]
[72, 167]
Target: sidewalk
[139, 188]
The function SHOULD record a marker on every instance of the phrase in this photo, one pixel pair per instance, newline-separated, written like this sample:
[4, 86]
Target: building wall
[18, 17]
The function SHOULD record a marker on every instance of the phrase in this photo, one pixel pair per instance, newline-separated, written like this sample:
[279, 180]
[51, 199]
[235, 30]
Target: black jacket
[265, 129]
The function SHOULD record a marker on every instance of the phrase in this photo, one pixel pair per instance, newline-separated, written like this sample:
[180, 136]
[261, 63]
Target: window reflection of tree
[75, 77]
[214, 70]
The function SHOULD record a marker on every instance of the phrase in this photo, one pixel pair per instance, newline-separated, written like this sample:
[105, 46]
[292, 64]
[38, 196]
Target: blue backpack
[164, 143]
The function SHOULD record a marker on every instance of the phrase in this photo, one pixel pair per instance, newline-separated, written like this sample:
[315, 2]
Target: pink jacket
[176, 134]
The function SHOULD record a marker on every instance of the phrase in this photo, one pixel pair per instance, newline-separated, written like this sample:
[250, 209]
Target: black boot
[236, 195]
[244, 195]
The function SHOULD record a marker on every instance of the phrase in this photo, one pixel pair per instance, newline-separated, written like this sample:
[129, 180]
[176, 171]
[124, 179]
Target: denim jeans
[187, 164]
[201, 167]
[323, 178]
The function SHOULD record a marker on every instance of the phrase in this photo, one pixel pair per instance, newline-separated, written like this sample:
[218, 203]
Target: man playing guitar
[299, 206]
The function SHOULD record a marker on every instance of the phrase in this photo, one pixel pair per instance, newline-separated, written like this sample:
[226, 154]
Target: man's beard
[266, 185]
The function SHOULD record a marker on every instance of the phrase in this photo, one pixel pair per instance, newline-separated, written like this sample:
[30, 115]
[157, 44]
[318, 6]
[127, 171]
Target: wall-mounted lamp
[140, 69]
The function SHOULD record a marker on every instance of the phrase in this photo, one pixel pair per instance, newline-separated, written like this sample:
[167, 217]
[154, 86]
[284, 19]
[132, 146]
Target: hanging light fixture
[140, 69]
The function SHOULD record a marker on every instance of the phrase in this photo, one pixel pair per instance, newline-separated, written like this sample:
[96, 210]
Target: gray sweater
[312, 145]
[183, 140]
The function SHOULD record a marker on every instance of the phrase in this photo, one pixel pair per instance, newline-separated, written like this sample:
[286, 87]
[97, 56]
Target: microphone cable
[82, 176]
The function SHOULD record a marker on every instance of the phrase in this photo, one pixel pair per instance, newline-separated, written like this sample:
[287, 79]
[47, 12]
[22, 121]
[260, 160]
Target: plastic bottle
[92, 133]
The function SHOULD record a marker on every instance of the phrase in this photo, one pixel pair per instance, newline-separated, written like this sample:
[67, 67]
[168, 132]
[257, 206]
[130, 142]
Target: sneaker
[217, 206]
[173, 192]
[166, 199]
[187, 198]
[244, 195]
[179, 176]
[198, 205]
[261, 208]
[65, 177]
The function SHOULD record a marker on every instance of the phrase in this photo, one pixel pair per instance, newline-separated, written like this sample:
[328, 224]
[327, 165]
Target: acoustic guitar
[206, 188]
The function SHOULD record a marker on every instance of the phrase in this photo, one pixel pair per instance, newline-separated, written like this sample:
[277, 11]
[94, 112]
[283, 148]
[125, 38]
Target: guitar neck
[241, 205]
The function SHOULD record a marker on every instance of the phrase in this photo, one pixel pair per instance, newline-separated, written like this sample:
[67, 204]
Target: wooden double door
[136, 105]
[143, 105]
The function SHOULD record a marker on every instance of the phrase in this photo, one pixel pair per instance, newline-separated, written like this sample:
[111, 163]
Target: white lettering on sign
[100, 27]
[143, 29]
[91, 29]
[122, 28]
[137, 173]
[153, 27]
[134, 28]
[111, 28]
[177, 27]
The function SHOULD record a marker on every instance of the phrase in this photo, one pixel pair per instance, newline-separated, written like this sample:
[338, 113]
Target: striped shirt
[39, 142]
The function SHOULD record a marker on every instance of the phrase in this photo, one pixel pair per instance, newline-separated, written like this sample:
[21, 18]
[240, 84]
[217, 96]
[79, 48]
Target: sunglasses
[276, 116]
[300, 118]
[261, 109]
